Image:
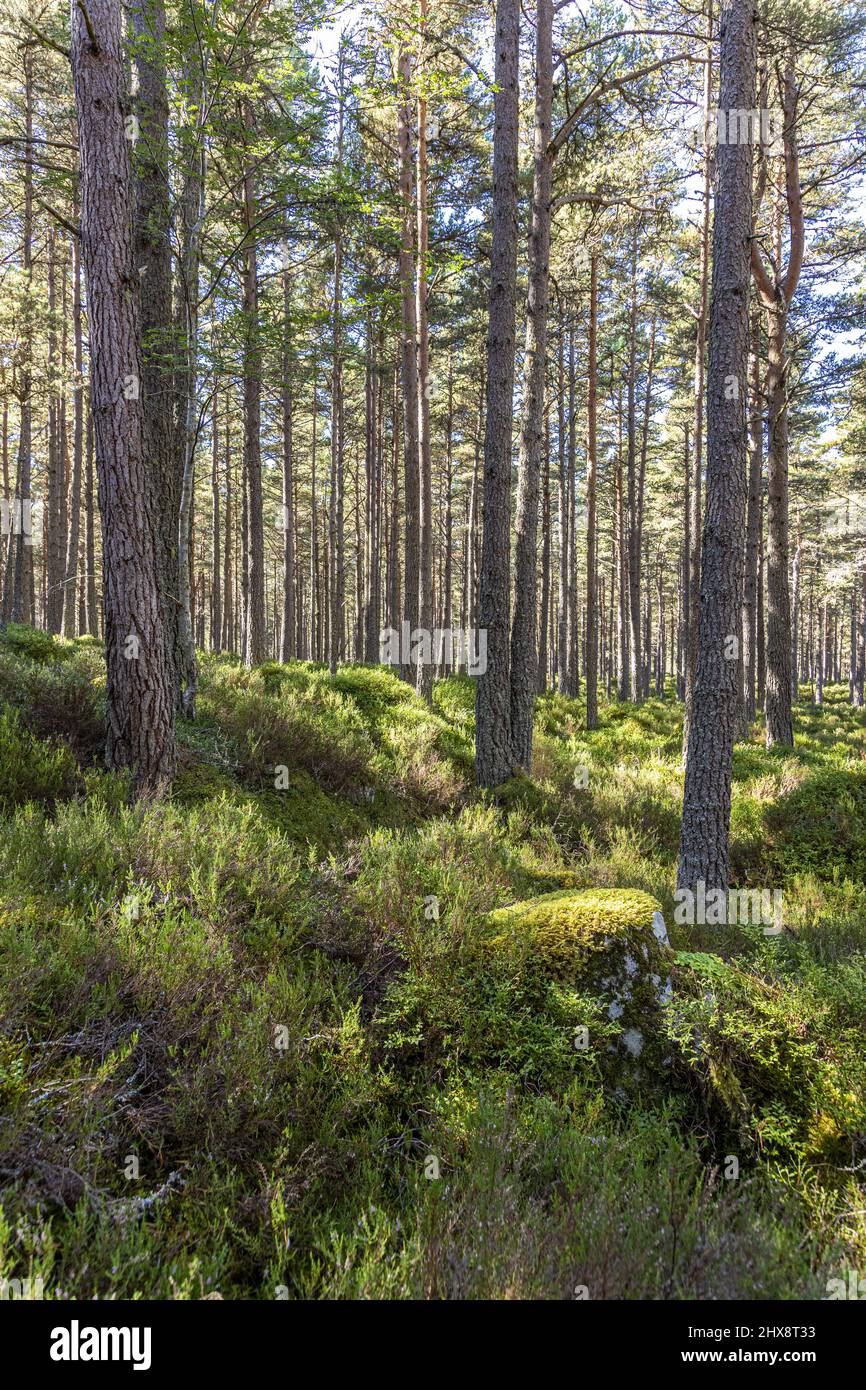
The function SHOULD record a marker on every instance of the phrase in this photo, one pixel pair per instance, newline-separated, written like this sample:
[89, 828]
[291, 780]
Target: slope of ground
[252, 1041]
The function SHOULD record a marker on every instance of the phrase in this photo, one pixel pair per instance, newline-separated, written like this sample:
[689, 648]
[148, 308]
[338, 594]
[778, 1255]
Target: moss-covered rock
[608, 942]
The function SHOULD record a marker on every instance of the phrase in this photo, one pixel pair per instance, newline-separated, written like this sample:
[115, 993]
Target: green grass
[249, 1042]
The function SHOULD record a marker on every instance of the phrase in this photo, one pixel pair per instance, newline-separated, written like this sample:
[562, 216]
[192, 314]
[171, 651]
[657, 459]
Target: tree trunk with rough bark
[707, 792]
[138, 690]
[591, 642]
[524, 647]
[493, 760]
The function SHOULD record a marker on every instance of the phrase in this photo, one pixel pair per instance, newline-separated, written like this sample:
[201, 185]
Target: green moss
[600, 942]
[566, 927]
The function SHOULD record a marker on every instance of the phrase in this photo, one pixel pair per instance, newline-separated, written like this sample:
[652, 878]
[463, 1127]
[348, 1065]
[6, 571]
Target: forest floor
[249, 1045]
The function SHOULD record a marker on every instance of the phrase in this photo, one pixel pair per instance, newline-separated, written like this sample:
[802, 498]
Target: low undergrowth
[250, 1044]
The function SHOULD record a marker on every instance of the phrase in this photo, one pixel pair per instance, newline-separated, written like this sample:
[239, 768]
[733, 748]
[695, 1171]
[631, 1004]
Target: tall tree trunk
[633, 529]
[753, 520]
[777, 287]
[694, 578]
[544, 615]
[255, 645]
[707, 792]
[288, 643]
[591, 642]
[16, 601]
[138, 691]
[408, 340]
[153, 262]
[564, 526]
[74, 536]
[493, 760]
[56, 510]
[524, 648]
[191, 217]
[795, 614]
[424, 681]
[216, 619]
[336, 557]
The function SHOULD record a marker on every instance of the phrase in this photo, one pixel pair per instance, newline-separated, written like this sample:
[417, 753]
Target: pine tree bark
[56, 509]
[255, 648]
[776, 288]
[695, 489]
[288, 639]
[424, 675]
[493, 760]
[591, 642]
[70, 587]
[191, 218]
[19, 571]
[408, 339]
[216, 611]
[707, 792]
[524, 646]
[138, 691]
[753, 516]
[152, 250]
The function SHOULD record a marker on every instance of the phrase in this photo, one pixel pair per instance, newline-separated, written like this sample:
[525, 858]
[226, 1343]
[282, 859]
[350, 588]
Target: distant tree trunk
[591, 642]
[707, 792]
[684, 586]
[622, 622]
[544, 616]
[94, 625]
[336, 570]
[493, 760]
[138, 690]
[821, 663]
[191, 216]
[694, 578]
[408, 340]
[760, 639]
[448, 524]
[288, 643]
[777, 288]
[19, 571]
[228, 638]
[571, 675]
[524, 648]
[795, 615]
[315, 607]
[861, 665]
[424, 681]
[753, 520]
[639, 542]
[633, 527]
[56, 498]
[564, 527]
[394, 612]
[255, 645]
[216, 619]
[373, 459]
[74, 535]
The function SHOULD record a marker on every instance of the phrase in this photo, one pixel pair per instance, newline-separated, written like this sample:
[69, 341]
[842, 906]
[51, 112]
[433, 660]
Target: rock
[608, 942]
